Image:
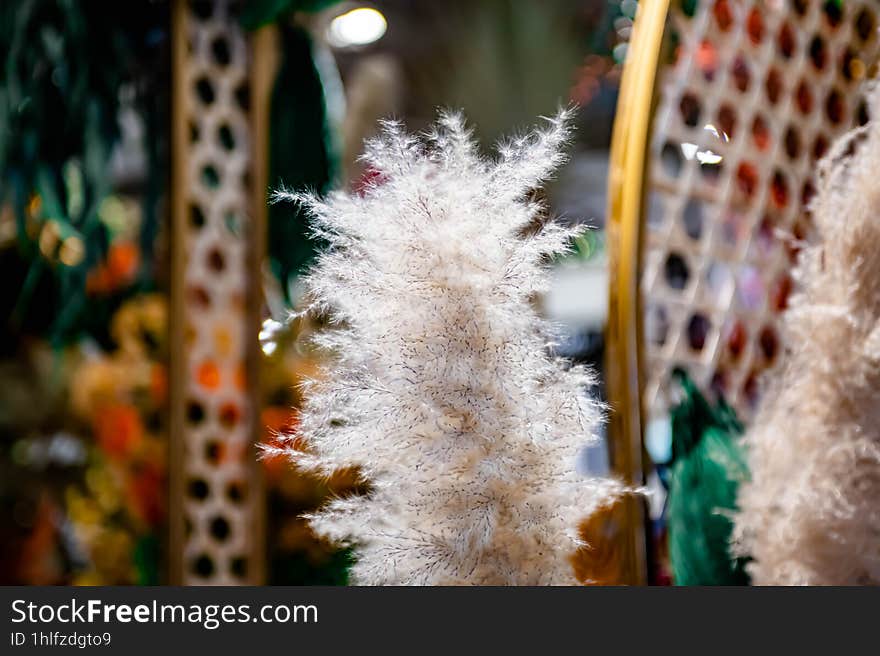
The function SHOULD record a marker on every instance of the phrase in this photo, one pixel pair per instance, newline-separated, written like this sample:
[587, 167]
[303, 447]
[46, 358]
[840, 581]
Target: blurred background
[133, 131]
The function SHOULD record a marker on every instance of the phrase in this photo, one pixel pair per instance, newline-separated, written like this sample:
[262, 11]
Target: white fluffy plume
[440, 388]
[811, 513]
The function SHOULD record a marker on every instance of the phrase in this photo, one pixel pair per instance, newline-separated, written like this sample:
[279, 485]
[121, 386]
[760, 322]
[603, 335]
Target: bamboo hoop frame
[626, 201]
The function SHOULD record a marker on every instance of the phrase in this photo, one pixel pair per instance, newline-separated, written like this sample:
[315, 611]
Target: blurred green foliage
[67, 67]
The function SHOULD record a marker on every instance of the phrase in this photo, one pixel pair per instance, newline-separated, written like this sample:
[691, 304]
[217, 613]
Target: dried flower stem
[810, 514]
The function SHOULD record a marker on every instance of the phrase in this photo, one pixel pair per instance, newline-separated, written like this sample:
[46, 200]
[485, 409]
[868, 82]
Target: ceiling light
[357, 27]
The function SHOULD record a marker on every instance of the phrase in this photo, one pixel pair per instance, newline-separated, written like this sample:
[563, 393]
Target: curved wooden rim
[626, 201]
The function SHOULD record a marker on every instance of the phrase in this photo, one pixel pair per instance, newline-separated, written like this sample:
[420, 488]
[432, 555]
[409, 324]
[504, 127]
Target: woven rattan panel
[218, 510]
[751, 93]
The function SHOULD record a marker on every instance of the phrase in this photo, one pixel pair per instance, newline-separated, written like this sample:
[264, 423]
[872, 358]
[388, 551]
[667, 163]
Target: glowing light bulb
[357, 27]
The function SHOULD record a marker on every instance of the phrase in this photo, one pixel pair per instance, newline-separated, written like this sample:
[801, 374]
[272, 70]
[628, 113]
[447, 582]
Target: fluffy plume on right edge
[810, 515]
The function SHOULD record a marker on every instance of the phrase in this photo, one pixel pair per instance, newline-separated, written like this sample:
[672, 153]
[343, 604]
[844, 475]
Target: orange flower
[123, 260]
[118, 429]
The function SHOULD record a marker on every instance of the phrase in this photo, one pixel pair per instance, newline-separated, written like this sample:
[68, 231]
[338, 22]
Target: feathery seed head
[440, 387]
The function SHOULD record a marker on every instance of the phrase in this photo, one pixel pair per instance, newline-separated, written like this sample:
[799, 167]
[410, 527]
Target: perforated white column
[216, 534]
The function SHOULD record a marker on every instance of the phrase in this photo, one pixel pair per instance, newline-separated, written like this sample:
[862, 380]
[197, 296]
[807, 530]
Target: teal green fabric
[302, 155]
[257, 13]
[707, 465]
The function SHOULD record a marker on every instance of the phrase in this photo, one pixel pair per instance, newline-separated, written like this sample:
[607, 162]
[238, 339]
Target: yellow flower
[94, 384]
[139, 326]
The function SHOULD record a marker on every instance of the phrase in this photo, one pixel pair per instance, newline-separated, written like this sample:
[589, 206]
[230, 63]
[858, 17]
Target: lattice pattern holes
[217, 437]
[751, 95]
